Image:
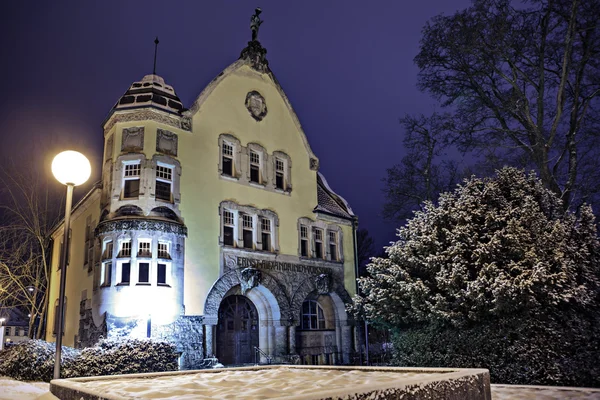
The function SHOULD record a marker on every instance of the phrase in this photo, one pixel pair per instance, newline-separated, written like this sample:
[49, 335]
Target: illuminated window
[125, 250]
[107, 250]
[303, 240]
[333, 247]
[279, 174]
[131, 180]
[144, 249]
[227, 159]
[254, 167]
[318, 242]
[265, 227]
[247, 224]
[163, 250]
[164, 182]
[312, 315]
[228, 228]
[105, 272]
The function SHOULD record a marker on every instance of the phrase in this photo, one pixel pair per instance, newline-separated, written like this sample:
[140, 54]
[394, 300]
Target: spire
[155, 51]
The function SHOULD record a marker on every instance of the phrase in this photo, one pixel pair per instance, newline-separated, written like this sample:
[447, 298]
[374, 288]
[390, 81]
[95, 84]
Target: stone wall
[89, 334]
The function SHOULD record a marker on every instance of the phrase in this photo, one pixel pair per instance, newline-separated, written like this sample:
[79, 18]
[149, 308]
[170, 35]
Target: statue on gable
[250, 278]
[255, 22]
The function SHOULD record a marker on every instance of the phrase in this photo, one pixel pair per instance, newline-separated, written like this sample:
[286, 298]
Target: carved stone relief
[314, 164]
[323, 283]
[133, 139]
[255, 103]
[166, 142]
[249, 278]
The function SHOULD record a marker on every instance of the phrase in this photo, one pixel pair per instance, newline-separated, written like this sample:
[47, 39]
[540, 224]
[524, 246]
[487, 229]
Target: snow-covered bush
[33, 360]
[494, 250]
[125, 356]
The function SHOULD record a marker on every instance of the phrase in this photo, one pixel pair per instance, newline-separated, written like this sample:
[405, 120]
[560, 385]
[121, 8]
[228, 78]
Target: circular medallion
[256, 105]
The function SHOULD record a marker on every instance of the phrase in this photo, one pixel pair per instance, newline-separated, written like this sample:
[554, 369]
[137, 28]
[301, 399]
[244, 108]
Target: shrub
[33, 360]
[125, 356]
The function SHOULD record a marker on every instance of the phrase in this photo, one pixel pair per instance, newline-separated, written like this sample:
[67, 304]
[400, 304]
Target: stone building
[211, 227]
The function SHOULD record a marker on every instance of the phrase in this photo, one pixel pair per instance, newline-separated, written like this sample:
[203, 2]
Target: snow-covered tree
[492, 247]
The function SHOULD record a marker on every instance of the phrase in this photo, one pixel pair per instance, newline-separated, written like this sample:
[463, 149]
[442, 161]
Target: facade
[211, 227]
[14, 327]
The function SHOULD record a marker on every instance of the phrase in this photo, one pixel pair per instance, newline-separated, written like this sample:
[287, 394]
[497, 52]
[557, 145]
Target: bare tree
[425, 171]
[523, 79]
[29, 211]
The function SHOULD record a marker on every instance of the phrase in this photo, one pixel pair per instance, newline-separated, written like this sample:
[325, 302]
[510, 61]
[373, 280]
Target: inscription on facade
[245, 262]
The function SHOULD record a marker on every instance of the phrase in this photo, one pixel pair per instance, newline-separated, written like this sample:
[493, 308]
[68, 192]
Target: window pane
[125, 272]
[333, 251]
[247, 239]
[266, 242]
[313, 322]
[279, 180]
[227, 166]
[163, 190]
[144, 272]
[254, 174]
[304, 248]
[131, 189]
[161, 274]
[319, 250]
[228, 236]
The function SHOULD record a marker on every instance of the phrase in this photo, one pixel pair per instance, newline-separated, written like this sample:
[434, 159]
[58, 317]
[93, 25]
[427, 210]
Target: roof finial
[255, 22]
[155, 51]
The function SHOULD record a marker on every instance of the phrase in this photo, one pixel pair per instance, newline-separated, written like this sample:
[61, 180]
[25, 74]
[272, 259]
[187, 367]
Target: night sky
[346, 66]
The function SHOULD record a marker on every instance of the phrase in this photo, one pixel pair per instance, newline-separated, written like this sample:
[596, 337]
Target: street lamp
[2, 333]
[72, 169]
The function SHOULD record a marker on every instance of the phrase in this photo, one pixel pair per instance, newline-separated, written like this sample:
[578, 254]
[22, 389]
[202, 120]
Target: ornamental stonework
[140, 225]
[149, 115]
[166, 142]
[256, 105]
[133, 139]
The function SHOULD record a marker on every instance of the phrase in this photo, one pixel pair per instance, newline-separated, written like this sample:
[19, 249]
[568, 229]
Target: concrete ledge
[443, 384]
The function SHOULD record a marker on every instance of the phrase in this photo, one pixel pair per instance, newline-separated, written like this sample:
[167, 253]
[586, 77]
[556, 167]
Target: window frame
[170, 169]
[318, 314]
[167, 273]
[139, 273]
[147, 246]
[125, 177]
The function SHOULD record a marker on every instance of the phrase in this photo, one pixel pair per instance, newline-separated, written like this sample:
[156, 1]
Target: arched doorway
[237, 331]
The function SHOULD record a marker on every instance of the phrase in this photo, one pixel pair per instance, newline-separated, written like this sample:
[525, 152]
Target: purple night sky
[346, 66]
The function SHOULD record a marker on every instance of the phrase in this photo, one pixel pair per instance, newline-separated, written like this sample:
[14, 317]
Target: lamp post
[2, 333]
[72, 169]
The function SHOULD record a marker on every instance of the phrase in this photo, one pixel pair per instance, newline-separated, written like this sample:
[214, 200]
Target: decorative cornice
[131, 224]
[256, 55]
[180, 122]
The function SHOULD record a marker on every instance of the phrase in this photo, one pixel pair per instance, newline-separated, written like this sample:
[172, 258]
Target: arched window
[312, 315]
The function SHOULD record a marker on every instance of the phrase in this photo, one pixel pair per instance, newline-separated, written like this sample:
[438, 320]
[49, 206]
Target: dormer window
[131, 180]
[164, 182]
[254, 167]
[227, 159]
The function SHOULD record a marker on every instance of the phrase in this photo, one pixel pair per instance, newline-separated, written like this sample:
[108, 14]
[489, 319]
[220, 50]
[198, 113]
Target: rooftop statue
[255, 22]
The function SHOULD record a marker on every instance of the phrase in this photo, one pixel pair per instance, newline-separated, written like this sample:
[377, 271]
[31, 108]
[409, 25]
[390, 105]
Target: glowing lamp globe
[71, 168]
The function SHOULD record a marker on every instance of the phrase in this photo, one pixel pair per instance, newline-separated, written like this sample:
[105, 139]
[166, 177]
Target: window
[318, 237]
[333, 246]
[279, 174]
[105, 272]
[125, 249]
[228, 228]
[161, 274]
[312, 315]
[125, 273]
[247, 231]
[265, 227]
[144, 249]
[254, 167]
[303, 240]
[107, 251]
[163, 250]
[144, 272]
[7, 330]
[227, 159]
[131, 184]
[164, 181]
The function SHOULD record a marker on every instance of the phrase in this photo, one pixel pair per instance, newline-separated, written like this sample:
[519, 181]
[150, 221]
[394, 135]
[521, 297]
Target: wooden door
[237, 331]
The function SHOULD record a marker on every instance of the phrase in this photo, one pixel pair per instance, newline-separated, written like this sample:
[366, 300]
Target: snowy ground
[15, 390]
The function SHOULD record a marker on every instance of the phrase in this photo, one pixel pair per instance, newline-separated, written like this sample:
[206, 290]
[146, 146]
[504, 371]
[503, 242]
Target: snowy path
[15, 390]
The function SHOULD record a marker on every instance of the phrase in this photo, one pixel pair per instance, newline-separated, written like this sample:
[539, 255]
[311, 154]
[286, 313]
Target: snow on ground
[15, 390]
